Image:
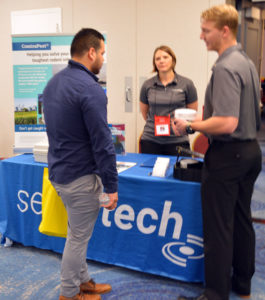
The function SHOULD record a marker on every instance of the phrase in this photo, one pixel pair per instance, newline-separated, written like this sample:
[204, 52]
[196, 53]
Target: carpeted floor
[27, 273]
[258, 200]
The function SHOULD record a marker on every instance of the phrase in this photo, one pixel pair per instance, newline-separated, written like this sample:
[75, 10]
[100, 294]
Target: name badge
[162, 125]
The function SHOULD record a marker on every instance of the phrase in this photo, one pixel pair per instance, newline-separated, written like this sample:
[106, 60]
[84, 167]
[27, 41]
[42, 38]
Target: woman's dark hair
[85, 39]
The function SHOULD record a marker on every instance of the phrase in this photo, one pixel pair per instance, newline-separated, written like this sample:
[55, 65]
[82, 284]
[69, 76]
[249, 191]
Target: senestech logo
[192, 249]
[176, 252]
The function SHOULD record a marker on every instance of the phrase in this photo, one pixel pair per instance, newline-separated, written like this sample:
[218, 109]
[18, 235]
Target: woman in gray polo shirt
[159, 97]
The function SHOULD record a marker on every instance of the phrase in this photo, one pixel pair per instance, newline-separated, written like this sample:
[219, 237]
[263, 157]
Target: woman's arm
[144, 110]
[193, 105]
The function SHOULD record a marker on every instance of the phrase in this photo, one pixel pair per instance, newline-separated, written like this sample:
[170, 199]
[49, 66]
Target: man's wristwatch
[189, 130]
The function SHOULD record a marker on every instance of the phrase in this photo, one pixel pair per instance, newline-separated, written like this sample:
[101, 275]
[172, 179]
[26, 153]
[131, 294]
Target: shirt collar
[75, 64]
[229, 50]
[157, 81]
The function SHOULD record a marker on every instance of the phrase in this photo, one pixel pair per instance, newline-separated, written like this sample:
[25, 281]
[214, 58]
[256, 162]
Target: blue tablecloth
[156, 228]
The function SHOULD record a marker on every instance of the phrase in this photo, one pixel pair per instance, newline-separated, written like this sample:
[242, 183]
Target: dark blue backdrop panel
[156, 228]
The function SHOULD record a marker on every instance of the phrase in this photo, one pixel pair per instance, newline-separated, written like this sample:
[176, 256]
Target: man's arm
[215, 125]
[94, 108]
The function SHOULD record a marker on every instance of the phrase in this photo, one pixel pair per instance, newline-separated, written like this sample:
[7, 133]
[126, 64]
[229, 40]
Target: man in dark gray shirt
[232, 161]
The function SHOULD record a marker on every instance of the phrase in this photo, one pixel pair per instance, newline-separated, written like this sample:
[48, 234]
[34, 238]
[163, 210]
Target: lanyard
[162, 123]
[170, 99]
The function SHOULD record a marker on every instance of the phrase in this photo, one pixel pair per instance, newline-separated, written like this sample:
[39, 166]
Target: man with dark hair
[233, 160]
[85, 39]
[81, 157]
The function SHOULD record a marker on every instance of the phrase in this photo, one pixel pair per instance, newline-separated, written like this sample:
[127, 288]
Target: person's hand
[179, 126]
[113, 201]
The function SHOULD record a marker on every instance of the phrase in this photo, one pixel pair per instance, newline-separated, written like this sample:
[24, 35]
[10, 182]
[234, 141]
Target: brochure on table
[122, 165]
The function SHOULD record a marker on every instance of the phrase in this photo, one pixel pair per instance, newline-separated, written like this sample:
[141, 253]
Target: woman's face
[163, 61]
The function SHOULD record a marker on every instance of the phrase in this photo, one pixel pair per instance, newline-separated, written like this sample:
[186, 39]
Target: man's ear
[226, 30]
[91, 54]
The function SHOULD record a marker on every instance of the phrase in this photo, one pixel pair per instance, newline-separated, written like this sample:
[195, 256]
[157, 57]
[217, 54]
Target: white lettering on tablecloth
[124, 216]
[25, 199]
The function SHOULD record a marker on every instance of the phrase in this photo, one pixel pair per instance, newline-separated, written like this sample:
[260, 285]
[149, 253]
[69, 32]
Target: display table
[156, 227]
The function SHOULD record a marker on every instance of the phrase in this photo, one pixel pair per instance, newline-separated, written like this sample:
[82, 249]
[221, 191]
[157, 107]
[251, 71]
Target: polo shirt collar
[229, 50]
[157, 81]
[75, 64]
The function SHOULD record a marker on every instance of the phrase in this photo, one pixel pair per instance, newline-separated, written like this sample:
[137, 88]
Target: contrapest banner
[35, 60]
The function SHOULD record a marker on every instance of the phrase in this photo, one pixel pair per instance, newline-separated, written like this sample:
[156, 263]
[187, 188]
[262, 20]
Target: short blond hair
[222, 15]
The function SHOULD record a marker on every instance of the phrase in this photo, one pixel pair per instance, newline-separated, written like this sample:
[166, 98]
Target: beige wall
[129, 26]
[6, 73]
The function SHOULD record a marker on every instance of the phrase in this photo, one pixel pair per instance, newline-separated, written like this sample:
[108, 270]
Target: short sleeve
[143, 93]
[191, 93]
[226, 93]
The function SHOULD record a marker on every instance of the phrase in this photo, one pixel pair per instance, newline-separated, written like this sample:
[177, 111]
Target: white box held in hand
[187, 114]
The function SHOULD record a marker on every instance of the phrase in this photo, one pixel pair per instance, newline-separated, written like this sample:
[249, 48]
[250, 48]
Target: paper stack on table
[40, 151]
[161, 166]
